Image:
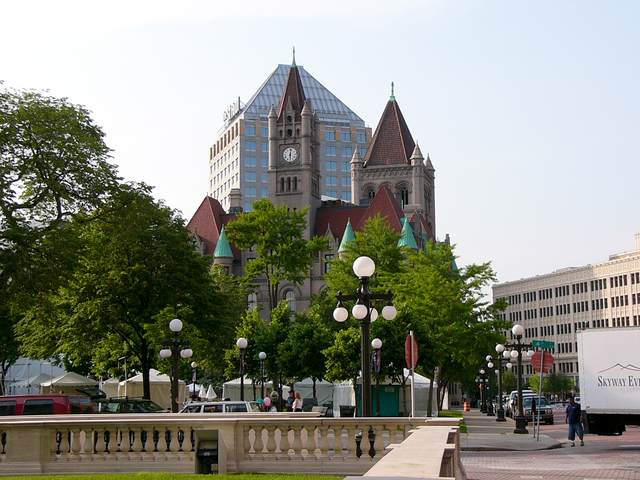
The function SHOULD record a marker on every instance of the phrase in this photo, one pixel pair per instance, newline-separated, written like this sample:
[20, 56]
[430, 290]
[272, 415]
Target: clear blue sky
[530, 110]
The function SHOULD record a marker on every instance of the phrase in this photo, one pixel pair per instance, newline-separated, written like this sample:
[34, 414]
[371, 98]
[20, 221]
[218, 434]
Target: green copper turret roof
[406, 236]
[347, 237]
[223, 248]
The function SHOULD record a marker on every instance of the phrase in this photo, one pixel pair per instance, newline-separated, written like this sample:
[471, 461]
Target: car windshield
[254, 407]
[542, 402]
[145, 406]
[191, 409]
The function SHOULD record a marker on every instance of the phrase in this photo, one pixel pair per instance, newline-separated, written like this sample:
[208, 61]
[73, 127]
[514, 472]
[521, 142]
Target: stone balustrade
[251, 442]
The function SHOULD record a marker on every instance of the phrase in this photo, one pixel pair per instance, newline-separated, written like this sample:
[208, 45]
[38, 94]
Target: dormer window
[288, 118]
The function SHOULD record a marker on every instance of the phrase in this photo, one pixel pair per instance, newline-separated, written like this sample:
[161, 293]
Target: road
[602, 457]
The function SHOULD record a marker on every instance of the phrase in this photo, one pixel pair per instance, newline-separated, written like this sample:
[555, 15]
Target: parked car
[54, 404]
[512, 400]
[542, 406]
[221, 407]
[127, 405]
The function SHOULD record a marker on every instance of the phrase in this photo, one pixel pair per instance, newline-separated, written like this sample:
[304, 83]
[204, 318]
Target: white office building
[239, 157]
[557, 305]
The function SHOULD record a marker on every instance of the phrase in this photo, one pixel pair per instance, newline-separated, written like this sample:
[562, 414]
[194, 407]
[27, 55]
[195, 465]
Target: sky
[530, 110]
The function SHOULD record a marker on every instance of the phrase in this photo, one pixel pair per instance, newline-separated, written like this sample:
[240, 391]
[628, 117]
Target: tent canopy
[69, 379]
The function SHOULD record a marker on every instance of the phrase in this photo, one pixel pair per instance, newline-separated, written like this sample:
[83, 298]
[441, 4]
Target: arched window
[403, 194]
[371, 193]
[290, 297]
[252, 301]
[295, 184]
[288, 184]
[282, 184]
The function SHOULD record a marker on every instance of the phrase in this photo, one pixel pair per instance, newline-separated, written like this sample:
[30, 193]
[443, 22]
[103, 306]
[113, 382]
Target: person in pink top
[297, 403]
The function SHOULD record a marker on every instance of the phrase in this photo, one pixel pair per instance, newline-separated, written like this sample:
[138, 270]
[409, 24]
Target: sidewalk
[485, 434]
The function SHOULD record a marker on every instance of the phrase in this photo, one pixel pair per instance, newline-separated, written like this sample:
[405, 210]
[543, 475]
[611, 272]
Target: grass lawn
[178, 476]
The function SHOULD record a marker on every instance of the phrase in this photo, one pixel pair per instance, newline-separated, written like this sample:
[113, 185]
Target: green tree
[560, 384]
[136, 267]
[54, 164]
[301, 354]
[509, 382]
[276, 234]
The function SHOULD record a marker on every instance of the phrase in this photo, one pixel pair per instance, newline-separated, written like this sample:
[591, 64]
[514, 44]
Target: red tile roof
[207, 223]
[392, 143]
[335, 217]
[293, 94]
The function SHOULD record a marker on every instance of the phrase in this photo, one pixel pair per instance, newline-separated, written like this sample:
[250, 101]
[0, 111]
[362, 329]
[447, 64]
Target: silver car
[221, 407]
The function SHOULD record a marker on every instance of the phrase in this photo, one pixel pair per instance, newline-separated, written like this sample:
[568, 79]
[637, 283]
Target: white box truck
[609, 376]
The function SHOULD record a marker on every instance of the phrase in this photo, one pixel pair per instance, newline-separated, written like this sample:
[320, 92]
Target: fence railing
[175, 442]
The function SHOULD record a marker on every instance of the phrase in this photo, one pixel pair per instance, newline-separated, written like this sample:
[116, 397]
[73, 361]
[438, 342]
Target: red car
[45, 405]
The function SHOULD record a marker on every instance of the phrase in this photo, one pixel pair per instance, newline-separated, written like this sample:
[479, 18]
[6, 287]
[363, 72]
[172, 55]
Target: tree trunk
[315, 398]
[430, 398]
[442, 391]
[145, 363]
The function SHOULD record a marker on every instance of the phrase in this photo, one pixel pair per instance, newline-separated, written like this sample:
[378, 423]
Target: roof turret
[407, 238]
[223, 248]
[347, 237]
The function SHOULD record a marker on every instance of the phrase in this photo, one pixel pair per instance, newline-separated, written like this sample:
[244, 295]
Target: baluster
[187, 444]
[136, 446]
[98, 439]
[147, 443]
[379, 444]
[56, 438]
[74, 444]
[322, 441]
[258, 445]
[284, 442]
[110, 439]
[161, 445]
[305, 441]
[271, 440]
[296, 446]
[174, 445]
[246, 441]
[64, 442]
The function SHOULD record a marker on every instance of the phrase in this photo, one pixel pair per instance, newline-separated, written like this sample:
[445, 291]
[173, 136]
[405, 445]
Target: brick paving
[602, 457]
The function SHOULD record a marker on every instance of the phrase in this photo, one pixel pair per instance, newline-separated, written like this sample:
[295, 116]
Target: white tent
[211, 394]
[110, 387]
[421, 395]
[66, 383]
[231, 389]
[30, 386]
[324, 390]
[160, 385]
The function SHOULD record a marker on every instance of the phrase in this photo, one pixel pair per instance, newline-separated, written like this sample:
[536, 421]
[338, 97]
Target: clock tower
[294, 175]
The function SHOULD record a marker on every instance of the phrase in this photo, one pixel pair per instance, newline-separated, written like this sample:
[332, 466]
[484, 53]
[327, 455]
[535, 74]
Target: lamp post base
[500, 416]
[521, 425]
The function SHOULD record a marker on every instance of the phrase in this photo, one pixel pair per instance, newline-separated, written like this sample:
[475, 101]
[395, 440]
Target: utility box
[207, 451]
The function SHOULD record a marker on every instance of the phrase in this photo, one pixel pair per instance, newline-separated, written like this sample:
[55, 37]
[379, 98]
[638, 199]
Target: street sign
[407, 351]
[542, 361]
[546, 344]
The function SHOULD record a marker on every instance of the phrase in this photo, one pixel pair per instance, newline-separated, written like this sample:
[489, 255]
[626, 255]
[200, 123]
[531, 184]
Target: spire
[356, 158]
[407, 239]
[392, 98]
[272, 112]
[223, 248]
[392, 143]
[416, 156]
[306, 109]
[293, 96]
[347, 237]
[293, 63]
[428, 163]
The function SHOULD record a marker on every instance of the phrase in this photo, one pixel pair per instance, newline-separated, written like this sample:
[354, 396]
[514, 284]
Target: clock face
[290, 154]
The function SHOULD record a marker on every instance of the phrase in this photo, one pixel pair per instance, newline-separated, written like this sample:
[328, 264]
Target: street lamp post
[242, 343]
[175, 348]
[364, 268]
[482, 379]
[376, 344]
[517, 349]
[262, 356]
[489, 359]
[503, 361]
[194, 394]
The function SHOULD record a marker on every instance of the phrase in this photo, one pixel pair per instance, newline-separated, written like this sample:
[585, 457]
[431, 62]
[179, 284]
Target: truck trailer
[609, 378]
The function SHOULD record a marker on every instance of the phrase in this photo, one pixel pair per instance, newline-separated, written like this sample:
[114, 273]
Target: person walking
[574, 420]
[297, 403]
